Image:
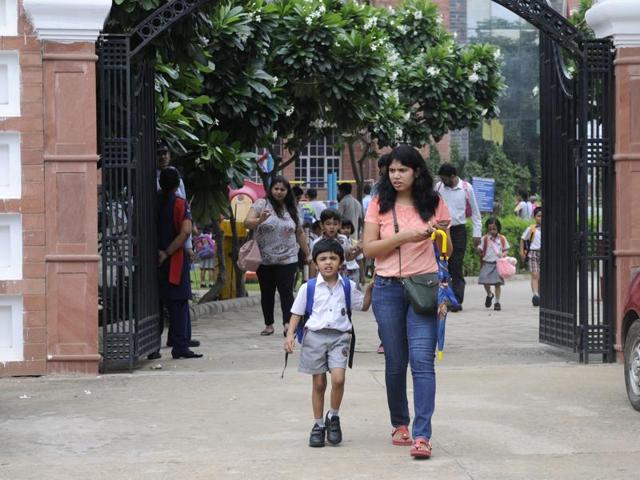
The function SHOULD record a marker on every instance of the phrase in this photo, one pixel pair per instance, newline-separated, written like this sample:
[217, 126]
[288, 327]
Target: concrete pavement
[507, 408]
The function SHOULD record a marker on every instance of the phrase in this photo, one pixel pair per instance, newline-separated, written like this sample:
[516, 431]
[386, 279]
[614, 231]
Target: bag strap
[396, 228]
[346, 285]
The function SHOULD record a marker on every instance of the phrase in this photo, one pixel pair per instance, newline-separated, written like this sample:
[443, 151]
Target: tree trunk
[357, 165]
[235, 249]
[214, 292]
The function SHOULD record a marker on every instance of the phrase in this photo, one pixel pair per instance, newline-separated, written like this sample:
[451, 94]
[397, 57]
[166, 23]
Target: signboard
[485, 190]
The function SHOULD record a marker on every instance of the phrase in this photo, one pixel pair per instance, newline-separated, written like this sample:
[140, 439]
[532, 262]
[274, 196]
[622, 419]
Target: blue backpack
[311, 290]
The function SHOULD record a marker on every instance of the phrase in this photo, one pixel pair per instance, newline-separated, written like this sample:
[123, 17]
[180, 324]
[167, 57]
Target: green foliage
[578, 18]
[239, 74]
[512, 229]
[434, 160]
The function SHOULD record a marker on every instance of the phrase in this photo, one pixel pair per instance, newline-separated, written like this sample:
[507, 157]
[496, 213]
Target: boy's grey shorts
[323, 350]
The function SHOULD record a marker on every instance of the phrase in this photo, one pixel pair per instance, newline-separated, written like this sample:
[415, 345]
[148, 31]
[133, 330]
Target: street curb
[212, 308]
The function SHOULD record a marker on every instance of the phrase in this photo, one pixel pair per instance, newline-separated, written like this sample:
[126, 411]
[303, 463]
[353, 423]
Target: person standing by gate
[174, 227]
[461, 201]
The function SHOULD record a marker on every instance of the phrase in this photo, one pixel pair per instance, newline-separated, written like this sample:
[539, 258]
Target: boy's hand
[289, 343]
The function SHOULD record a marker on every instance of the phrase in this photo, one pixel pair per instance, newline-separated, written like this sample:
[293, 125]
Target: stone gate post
[620, 19]
[48, 210]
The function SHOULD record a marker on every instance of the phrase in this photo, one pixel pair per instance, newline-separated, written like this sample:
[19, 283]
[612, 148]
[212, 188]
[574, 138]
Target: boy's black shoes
[497, 306]
[535, 300]
[454, 308]
[334, 433]
[316, 439]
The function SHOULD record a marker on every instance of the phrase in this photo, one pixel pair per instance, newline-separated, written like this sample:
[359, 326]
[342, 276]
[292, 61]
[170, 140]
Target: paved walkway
[507, 408]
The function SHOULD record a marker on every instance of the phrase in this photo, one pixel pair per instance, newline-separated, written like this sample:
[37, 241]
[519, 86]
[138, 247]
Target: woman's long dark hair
[289, 201]
[425, 199]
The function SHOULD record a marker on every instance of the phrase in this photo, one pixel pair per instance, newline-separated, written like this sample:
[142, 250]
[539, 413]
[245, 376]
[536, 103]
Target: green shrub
[512, 228]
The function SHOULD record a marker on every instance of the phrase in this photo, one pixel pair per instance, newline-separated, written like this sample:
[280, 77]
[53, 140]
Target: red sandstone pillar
[621, 20]
[68, 30]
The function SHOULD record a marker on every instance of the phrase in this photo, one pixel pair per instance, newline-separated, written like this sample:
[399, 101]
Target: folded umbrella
[446, 296]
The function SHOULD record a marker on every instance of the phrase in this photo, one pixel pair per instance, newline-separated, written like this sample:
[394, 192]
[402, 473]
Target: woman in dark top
[174, 227]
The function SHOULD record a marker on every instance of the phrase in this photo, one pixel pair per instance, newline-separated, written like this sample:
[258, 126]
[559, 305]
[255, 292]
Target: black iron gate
[577, 185]
[577, 120]
[130, 317]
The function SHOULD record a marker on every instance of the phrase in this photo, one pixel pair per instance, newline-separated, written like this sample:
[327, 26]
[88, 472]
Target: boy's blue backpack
[311, 290]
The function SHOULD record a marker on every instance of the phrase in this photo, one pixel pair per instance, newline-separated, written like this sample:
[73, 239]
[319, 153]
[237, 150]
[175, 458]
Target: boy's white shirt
[536, 243]
[329, 305]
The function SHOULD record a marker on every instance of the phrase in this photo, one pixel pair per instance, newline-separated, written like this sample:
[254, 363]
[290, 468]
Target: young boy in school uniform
[327, 337]
[331, 221]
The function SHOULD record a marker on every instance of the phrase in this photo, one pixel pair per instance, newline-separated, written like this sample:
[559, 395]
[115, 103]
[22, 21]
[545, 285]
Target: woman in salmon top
[408, 337]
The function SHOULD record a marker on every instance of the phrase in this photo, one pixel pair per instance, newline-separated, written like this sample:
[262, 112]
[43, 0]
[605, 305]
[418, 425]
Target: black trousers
[165, 312]
[456, 261]
[280, 277]
[179, 325]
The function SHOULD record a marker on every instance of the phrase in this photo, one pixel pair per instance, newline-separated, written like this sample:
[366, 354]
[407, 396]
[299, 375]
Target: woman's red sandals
[400, 436]
[421, 448]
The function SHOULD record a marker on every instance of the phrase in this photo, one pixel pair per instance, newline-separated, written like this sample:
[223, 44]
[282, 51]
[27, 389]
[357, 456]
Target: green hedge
[512, 228]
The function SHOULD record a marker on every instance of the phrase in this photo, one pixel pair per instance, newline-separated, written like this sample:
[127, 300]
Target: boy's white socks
[332, 413]
[319, 422]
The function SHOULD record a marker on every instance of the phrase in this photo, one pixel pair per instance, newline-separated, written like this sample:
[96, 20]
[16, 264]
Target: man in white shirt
[461, 201]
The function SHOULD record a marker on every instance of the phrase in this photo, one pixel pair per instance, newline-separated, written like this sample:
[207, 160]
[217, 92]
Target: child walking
[331, 220]
[327, 337]
[530, 245]
[492, 246]
[353, 268]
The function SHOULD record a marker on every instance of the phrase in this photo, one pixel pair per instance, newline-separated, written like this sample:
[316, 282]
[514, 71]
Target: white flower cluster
[243, 37]
[315, 14]
[319, 124]
[393, 77]
[473, 78]
[417, 14]
[392, 95]
[216, 122]
[399, 133]
[308, 62]
[289, 111]
[433, 71]
[439, 19]
[476, 67]
[255, 17]
[403, 29]
[370, 23]
[497, 54]
[393, 57]
[274, 80]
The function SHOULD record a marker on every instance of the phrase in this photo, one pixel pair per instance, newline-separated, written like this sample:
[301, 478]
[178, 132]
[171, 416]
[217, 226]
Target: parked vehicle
[631, 342]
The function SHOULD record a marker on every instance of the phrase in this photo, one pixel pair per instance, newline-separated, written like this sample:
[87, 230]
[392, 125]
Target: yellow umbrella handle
[443, 253]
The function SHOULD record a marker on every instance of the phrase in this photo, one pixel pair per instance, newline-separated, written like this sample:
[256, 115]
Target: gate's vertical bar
[582, 233]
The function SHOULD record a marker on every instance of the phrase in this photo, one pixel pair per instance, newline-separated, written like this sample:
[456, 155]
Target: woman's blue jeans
[408, 338]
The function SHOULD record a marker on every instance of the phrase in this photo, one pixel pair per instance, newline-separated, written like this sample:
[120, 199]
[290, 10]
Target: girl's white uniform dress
[489, 271]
